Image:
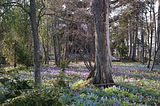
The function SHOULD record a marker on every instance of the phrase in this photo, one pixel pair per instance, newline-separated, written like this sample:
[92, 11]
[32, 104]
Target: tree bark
[103, 74]
[142, 40]
[148, 31]
[34, 27]
[151, 40]
[135, 34]
[55, 50]
[130, 40]
[157, 61]
[15, 54]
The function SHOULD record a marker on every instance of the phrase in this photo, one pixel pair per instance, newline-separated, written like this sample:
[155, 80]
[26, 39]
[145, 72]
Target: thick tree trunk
[103, 74]
[34, 27]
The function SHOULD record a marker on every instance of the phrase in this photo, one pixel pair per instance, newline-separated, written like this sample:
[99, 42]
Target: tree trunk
[134, 45]
[150, 48]
[158, 38]
[103, 74]
[45, 48]
[130, 40]
[55, 50]
[148, 31]
[47, 53]
[34, 28]
[142, 40]
[59, 49]
[142, 51]
[156, 59]
[15, 54]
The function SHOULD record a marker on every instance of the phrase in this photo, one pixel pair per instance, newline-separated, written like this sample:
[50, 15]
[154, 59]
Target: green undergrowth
[64, 90]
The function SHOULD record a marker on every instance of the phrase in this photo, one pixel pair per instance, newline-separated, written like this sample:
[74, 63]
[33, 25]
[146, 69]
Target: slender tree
[151, 34]
[34, 27]
[158, 36]
[156, 59]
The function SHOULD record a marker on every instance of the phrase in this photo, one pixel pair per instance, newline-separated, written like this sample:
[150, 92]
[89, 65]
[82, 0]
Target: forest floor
[135, 84]
[130, 79]
[133, 69]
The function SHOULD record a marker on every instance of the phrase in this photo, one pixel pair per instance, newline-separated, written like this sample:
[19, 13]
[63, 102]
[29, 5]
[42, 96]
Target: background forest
[80, 52]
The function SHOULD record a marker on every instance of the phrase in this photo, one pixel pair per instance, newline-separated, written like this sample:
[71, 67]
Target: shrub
[44, 97]
[23, 55]
[14, 83]
[122, 50]
[64, 64]
[60, 81]
[11, 87]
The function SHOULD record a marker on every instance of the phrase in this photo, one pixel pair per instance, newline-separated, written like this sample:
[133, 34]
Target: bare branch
[41, 14]
[65, 19]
